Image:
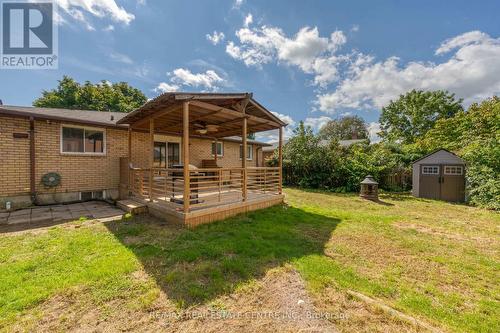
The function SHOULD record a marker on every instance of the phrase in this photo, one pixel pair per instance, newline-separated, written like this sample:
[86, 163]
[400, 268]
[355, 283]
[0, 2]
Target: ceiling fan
[203, 128]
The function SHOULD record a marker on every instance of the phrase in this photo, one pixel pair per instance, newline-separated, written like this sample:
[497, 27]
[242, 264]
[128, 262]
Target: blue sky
[305, 60]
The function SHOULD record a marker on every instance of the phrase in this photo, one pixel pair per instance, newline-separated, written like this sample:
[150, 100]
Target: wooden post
[280, 160]
[185, 152]
[151, 156]
[129, 162]
[244, 158]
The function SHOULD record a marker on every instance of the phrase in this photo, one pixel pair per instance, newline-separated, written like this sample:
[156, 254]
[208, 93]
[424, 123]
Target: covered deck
[194, 195]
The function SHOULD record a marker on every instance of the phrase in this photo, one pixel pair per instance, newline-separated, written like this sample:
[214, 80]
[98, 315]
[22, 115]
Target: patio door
[174, 156]
[160, 155]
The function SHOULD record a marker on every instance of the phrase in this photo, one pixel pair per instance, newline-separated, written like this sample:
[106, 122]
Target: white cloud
[216, 37]
[121, 58]
[307, 50]
[373, 130]
[209, 79]
[238, 3]
[355, 28]
[78, 9]
[471, 37]
[472, 73]
[248, 20]
[284, 117]
[109, 28]
[166, 87]
[317, 123]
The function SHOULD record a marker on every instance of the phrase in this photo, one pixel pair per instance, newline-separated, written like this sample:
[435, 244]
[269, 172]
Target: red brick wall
[14, 157]
[85, 173]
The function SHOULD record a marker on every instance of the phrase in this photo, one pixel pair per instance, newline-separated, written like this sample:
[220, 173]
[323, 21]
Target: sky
[304, 60]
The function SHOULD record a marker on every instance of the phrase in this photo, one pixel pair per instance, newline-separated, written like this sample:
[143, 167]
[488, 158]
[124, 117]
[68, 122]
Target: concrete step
[132, 206]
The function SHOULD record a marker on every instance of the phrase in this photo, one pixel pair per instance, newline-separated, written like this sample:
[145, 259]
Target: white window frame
[221, 149]
[251, 152]
[457, 167]
[430, 173]
[100, 129]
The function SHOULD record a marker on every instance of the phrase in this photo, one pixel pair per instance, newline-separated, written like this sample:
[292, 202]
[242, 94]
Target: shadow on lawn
[196, 266]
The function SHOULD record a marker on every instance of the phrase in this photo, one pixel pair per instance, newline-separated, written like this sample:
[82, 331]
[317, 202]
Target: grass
[436, 261]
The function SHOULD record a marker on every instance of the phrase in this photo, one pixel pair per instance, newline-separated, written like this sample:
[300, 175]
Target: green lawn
[435, 261]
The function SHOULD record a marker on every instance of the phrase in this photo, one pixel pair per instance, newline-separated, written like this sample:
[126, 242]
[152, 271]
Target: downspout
[32, 161]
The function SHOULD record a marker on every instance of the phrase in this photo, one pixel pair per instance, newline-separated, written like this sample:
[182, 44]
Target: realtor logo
[29, 35]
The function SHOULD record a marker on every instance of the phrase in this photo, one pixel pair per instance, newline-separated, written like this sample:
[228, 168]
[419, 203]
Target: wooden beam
[169, 128]
[244, 158]
[213, 107]
[151, 156]
[185, 152]
[144, 121]
[280, 160]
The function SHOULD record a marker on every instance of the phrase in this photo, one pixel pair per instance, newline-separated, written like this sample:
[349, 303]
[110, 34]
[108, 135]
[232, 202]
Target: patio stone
[21, 212]
[41, 218]
[19, 219]
[61, 216]
[39, 210]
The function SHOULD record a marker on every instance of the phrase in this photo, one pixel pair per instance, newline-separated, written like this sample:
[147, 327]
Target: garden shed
[439, 175]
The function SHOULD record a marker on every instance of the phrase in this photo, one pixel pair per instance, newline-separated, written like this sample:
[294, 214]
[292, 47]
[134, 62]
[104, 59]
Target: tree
[102, 96]
[346, 128]
[412, 115]
[475, 136]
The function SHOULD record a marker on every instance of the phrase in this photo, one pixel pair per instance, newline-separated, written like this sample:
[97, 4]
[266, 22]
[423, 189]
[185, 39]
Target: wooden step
[132, 206]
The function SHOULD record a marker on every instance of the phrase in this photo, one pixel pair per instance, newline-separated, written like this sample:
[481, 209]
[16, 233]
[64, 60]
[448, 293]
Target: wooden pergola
[203, 115]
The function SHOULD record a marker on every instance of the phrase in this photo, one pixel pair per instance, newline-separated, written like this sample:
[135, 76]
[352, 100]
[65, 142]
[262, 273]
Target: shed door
[430, 177]
[453, 183]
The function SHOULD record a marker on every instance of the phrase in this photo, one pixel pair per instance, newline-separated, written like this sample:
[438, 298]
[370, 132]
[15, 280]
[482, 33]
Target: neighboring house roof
[272, 146]
[347, 143]
[78, 116]
[440, 156]
[86, 117]
[253, 142]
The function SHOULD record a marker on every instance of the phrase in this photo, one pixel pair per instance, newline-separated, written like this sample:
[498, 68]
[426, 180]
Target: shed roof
[440, 156]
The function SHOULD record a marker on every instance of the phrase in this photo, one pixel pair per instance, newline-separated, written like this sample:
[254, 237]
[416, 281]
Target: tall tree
[102, 96]
[412, 115]
[346, 128]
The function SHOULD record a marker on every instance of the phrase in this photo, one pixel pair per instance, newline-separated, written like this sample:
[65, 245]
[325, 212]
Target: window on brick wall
[82, 140]
[220, 149]
[249, 152]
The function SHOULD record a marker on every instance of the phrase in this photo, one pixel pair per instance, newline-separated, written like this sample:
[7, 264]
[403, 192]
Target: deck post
[185, 153]
[280, 160]
[129, 154]
[151, 156]
[244, 158]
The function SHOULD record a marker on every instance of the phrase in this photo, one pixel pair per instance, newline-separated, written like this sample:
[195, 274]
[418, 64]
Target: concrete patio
[46, 215]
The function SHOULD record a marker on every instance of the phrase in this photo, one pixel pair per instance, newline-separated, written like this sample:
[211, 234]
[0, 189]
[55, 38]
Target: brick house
[84, 148]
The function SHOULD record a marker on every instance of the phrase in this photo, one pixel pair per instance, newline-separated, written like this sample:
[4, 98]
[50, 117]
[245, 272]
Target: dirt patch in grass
[479, 240]
[279, 302]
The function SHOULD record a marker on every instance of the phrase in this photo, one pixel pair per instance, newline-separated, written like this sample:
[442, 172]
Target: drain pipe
[32, 161]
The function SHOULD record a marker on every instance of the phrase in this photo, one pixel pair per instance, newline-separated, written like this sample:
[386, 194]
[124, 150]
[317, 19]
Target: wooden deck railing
[207, 186]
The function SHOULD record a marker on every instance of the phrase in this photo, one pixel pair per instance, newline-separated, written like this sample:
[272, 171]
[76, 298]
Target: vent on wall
[92, 195]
